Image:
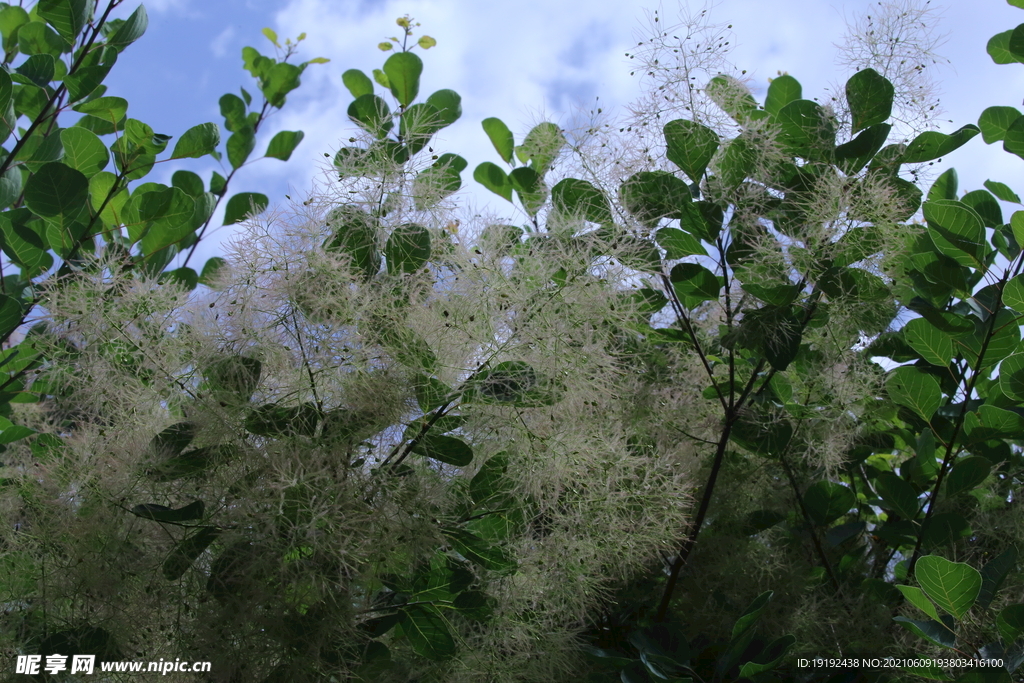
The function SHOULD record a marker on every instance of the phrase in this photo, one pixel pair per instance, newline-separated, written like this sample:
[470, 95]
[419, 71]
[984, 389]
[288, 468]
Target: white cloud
[222, 42]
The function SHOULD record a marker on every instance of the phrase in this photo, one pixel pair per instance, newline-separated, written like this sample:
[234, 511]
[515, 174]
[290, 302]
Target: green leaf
[943, 529]
[69, 17]
[283, 144]
[932, 631]
[161, 513]
[186, 552]
[507, 382]
[84, 151]
[541, 147]
[781, 91]
[357, 82]
[579, 198]
[232, 108]
[57, 189]
[695, 284]
[990, 422]
[110, 109]
[39, 69]
[372, 113]
[280, 79]
[197, 141]
[999, 49]
[934, 346]
[806, 129]
[953, 586]
[131, 30]
[827, 501]
[239, 146]
[1013, 293]
[910, 387]
[897, 495]
[679, 244]
[11, 19]
[1010, 623]
[427, 632]
[446, 449]
[86, 79]
[986, 206]
[186, 277]
[448, 104]
[690, 146]
[529, 187]
[945, 186]
[1014, 139]
[487, 482]
[210, 270]
[10, 315]
[441, 179]
[501, 137]
[733, 97]
[1002, 191]
[870, 97]
[932, 144]
[966, 474]
[494, 179]
[854, 155]
[36, 38]
[244, 205]
[918, 599]
[478, 551]
[403, 70]
[233, 379]
[995, 121]
[354, 234]
[275, 420]
[994, 573]
[172, 222]
[407, 249]
[957, 231]
[653, 195]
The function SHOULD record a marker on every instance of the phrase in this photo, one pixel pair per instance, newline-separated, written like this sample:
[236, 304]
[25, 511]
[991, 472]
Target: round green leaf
[446, 449]
[197, 141]
[579, 198]
[995, 121]
[354, 234]
[403, 70]
[695, 284]
[243, 205]
[931, 144]
[67, 16]
[806, 129]
[953, 586]
[357, 82]
[36, 38]
[912, 388]
[653, 195]
[84, 151]
[427, 632]
[781, 91]
[57, 189]
[283, 144]
[1013, 293]
[494, 179]
[870, 97]
[501, 137]
[957, 231]
[1011, 376]
[690, 146]
[679, 244]
[448, 104]
[967, 474]
[372, 113]
[935, 346]
[827, 501]
[407, 249]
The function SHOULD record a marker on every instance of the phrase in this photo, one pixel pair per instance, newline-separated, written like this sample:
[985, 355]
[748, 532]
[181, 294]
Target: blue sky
[534, 60]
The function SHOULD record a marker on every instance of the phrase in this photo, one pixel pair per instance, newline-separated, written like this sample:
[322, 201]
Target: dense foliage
[720, 402]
